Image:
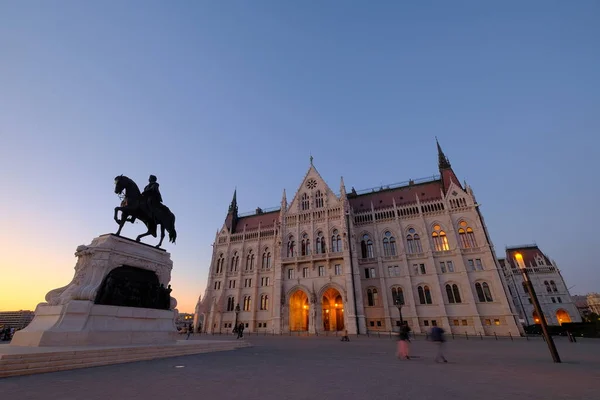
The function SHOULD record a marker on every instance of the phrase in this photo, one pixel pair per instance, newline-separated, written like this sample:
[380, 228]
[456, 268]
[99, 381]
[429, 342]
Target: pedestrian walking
[345, 338]
[403, 340]
[240, 330]
[437, 337]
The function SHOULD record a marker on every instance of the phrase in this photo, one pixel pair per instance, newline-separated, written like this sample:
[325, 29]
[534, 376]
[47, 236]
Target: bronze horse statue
[135, 205]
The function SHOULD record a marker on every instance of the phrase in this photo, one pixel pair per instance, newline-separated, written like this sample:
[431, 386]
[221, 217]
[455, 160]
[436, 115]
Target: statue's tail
[172, 231]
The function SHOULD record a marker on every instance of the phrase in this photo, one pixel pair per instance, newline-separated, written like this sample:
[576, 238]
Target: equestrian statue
[146, 206]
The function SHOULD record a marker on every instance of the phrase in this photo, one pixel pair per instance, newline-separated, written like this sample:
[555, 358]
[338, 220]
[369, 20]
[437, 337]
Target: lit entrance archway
[299, 311]
[562, 316]
[333, 310]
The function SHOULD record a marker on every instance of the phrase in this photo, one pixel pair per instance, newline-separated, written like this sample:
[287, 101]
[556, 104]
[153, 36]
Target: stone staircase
[17, 361]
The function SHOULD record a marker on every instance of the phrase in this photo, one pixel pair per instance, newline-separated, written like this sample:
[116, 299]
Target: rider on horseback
[152, 195]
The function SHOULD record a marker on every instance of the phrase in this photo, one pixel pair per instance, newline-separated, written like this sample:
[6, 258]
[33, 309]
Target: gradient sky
[213, 95]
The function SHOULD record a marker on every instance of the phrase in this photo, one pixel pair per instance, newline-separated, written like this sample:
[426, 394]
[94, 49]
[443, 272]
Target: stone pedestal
[71, 317]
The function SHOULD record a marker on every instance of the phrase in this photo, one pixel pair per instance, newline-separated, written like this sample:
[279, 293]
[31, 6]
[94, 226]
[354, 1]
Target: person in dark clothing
[437, 337]
[240, 330]
[345, 338]
[403, 340]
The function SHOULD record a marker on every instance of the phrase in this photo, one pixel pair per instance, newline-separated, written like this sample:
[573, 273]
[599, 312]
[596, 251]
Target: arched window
[554, 288]
[372, 296]
[318, 199]
[230, 303]
[397, 295]
[264, 302]
[413, 242]
[250, 261]
[220, 262]
[304, 203]
[336, 242]
[453, 294]
[440, 241]
[421, 295]
[562, 316]
[366, 247]
[291, 247]
[234, 262]
[266, 259]
[483, 292]
[424, 294]
[305, 245]
[320, 243]
[548, 289]
[389, 244]
[247, 303]
[466, 235]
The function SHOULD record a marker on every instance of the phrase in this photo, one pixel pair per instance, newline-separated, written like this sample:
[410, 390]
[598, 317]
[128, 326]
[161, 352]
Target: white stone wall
[562, 297]
[470, 315]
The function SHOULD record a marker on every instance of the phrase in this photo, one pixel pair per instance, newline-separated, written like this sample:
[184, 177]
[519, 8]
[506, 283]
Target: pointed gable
[313, 191]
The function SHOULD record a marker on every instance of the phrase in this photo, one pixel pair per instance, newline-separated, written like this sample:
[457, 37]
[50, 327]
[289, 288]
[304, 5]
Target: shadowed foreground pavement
[293, 368]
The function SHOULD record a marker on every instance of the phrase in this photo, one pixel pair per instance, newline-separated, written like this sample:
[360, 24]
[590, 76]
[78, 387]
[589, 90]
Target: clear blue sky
[213, 95]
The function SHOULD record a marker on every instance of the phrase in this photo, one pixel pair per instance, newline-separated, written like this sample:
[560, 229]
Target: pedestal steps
[31, 362]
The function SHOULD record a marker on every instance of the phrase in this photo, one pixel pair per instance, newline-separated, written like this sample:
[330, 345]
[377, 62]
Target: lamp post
[399, 304]
[237, 311]
[538, 309]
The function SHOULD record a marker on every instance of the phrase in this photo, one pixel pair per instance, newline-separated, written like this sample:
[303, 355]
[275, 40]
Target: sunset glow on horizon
[210, 97]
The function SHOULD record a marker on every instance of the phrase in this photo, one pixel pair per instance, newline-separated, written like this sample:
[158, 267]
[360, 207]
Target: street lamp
[538, 309]
[237, 311]
[399, 304]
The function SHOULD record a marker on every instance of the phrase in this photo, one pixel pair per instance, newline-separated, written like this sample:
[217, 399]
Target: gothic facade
[551, 289]
[359, 261]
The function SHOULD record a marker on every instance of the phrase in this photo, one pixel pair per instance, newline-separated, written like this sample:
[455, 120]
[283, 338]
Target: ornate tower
[232, 214]
[446, 171]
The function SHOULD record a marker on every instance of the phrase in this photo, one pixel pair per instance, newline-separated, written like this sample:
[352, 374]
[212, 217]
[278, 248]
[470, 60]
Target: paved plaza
[283, 367]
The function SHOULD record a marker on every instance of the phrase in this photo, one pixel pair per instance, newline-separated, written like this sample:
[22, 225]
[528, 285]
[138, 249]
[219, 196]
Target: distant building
[198, 317]
[16, 319]
[593, 300]
[557, 304]
[582, 305]
[331, 261]
[184, 320]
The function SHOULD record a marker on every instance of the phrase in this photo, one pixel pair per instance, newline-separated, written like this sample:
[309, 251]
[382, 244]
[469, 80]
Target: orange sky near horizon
[28, 272]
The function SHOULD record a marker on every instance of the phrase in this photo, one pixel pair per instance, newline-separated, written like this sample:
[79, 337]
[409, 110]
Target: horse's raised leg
[137, 239]
[162, 236]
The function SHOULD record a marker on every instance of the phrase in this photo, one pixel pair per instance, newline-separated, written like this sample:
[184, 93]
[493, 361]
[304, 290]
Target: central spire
[233, 206]
[443, 162]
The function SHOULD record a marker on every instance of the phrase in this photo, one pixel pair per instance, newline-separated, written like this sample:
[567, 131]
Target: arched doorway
[333, 310]
[299, 311]
[562, 316]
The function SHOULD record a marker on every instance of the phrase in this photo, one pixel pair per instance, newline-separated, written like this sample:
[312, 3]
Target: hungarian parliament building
[359, 261]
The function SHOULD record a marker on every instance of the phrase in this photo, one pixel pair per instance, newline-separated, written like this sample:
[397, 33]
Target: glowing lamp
[519, 259]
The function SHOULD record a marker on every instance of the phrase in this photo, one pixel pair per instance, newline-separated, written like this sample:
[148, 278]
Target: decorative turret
[283, 202]
[342, 188]
[446, 172]
[232, 214]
